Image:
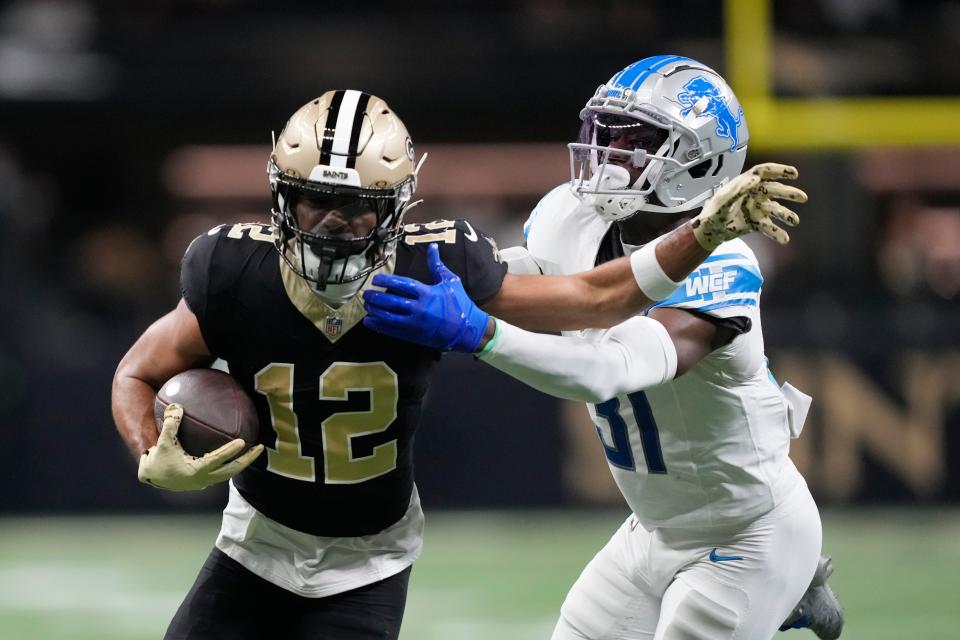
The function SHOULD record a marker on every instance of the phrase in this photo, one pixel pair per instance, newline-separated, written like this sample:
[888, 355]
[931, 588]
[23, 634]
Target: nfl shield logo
[334, 326]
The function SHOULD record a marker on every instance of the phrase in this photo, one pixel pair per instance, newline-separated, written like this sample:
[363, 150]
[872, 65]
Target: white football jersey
[710, 447]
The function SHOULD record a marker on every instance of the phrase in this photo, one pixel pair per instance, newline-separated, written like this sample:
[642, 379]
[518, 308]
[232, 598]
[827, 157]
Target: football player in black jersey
[319, 534]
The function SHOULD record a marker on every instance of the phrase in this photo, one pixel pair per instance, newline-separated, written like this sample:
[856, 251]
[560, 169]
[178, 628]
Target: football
[216, 410]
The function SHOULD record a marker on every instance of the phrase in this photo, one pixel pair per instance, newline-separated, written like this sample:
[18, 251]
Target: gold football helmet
[341, 173]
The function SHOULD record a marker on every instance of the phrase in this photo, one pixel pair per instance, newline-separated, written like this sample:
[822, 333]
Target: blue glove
[441, 316]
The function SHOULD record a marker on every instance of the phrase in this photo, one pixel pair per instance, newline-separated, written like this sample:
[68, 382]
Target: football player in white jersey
[319, 534]
[725, 537]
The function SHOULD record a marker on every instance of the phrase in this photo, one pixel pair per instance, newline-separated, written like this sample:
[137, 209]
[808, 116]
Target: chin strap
[336, 295]
[327, 257]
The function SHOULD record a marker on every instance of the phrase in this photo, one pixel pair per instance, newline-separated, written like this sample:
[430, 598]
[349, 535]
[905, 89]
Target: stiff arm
[618, 290]
[639, 353]
[601, 297]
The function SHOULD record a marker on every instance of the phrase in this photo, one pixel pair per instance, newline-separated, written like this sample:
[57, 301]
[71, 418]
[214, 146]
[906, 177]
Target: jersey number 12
[340, 466]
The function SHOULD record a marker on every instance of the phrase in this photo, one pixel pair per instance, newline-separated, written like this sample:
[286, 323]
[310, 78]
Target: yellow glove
[168, 466]
[747, 204]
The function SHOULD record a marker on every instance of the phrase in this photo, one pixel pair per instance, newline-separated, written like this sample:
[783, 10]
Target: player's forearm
[603, 296]
[551, 303]
[170, 345]
[679, 253]
[636, 354]
[626, 287]
[132, 404]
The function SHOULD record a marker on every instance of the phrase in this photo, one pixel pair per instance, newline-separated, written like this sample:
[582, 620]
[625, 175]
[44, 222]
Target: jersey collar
[332, 323]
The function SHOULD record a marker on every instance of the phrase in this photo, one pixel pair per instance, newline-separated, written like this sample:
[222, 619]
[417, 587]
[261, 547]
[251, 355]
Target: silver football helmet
[660, 135]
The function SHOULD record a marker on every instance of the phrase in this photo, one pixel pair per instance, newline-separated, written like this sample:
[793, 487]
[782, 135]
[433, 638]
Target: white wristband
[649, 274]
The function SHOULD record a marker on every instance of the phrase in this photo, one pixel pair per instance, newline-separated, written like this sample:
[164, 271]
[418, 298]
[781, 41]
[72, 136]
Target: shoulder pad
[441, 231]
[239, 231]
[464, 249]
[556, 200]
[260, 231]
[444, 232]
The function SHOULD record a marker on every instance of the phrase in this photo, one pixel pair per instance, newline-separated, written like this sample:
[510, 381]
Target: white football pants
[671, 584]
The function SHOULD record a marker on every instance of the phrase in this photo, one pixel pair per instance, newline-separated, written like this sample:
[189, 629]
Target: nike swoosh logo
[472, 236]
[716, 557]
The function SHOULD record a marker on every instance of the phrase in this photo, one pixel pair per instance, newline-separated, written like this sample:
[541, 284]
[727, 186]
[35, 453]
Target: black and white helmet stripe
[346, 149]
[341, 133]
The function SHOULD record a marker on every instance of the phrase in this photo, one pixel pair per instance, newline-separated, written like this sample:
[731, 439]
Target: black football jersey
[338, 404]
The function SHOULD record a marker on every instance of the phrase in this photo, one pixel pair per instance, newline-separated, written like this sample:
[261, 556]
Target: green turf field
[482, 575]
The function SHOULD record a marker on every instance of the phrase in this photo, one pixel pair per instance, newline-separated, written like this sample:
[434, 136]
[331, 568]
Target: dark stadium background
[128, 128]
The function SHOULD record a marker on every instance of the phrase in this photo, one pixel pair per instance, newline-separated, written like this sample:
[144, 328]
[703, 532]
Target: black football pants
[229, 602]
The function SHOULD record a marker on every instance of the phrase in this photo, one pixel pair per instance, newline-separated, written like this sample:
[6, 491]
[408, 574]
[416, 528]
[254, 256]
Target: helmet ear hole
[719, 164]
[700, 170]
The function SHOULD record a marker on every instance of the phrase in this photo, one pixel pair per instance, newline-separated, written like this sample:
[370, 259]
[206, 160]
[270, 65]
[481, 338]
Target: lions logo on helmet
[348, 161]
[700, 89]
[661, 136]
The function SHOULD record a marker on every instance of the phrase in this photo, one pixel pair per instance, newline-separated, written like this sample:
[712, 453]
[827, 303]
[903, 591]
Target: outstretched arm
[612, 292]
[442, 316]
[601, 297]
[636, 354]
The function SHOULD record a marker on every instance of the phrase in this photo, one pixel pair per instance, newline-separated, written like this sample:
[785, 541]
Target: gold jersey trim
[334, 323]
